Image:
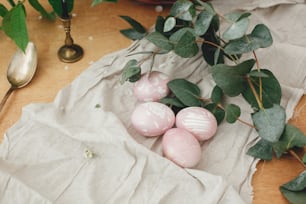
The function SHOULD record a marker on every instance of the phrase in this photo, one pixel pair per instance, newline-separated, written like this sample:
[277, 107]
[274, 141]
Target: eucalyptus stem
[297, 158]
[259, 102]
[260, 79]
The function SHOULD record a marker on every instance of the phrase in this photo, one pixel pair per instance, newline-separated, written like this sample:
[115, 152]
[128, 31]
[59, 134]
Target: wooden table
[96, 29]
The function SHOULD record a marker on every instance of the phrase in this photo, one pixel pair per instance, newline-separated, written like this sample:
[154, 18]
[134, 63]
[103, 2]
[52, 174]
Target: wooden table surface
[96, 29]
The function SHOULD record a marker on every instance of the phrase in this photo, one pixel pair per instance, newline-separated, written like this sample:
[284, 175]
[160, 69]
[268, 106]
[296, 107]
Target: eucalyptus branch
[217, 46]
[259, 102]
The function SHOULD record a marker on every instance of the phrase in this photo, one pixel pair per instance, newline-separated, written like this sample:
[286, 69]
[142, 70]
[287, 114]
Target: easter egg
[151, 86]
[199, 121]
[152, 118]
[181, 147]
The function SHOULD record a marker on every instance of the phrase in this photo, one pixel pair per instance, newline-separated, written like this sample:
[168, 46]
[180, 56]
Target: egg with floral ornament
[152, 119]
[181, 147]
[198, 121]
[151, 86]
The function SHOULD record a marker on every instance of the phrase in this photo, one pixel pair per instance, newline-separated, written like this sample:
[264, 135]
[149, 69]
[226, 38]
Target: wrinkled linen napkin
[82, 149]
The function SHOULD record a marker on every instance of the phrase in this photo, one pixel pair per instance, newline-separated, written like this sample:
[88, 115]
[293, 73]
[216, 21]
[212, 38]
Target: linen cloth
[82, 148]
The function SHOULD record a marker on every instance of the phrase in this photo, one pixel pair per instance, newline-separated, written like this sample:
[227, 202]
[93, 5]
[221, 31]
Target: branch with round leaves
[191, 27]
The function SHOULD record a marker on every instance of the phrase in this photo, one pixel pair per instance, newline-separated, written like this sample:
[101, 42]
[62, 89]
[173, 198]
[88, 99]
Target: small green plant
[195, 26]
[14, 17]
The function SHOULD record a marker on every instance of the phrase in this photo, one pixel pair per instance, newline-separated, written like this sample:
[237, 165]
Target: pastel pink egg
[152, 118]
[181, 147]
[199, 121]
[151, 87]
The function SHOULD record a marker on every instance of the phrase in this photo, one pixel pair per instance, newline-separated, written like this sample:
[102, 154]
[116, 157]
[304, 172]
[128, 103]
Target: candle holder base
[70, 53]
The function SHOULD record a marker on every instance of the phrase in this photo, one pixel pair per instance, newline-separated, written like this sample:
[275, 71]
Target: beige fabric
[46, 156]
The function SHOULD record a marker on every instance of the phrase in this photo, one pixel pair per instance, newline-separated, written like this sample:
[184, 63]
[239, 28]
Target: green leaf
[259, 38]
[188, 93]
[203, 22]
[233, 112]
[207, 6]
[271, 89]
[231, 79]
[186, 46]
[37, 6]
[169, 24]
[291, 137]
[218, 112]
[96, 2]
[57, 6]
[236, 16]
[270, 123]
[183, 9]
[14, 26]
[3, 10]
[131, 72]
[159, 24]
[132, 34]
[160, 41]
[262, 150]
[172, 102]
[304, 159]
[237, 29]
[295, 190]
[135, 24]
[216, 94]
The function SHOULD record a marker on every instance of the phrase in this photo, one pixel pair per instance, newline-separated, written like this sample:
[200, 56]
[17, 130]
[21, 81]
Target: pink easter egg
[199, 121]
[181, 147]
[151, 86]
[152, 118]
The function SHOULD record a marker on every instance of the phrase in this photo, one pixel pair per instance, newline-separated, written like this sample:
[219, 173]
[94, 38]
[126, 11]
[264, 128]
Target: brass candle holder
[69, 52]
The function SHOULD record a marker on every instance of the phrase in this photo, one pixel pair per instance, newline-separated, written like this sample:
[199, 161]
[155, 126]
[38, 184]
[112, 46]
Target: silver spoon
[21, 70]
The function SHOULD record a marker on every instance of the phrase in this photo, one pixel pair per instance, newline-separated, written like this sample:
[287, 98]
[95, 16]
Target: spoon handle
[6, 96]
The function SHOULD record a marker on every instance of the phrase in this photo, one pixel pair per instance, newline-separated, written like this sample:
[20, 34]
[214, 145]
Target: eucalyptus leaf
[186, 46]
[207, 6]
[132, 34]
[295, 190]
[172, 101]
[183, 9]
[270, 87]
[169, 24]
[211, 53]
[231, 79]
[270, 123]
[260, 37]
[237, 29]
[187, 92]
[135, 24]
[304, 158]
[232, 112]
[218, 112]
[236, 16]
[262, 150]
[177, 36]
[203, 22]
[131, 72]
[159, 24]
[14, 26]
[216, 94]
[291, 137]
[160, 41]
[3, 10]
